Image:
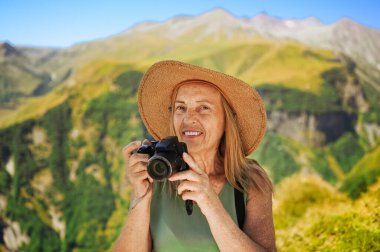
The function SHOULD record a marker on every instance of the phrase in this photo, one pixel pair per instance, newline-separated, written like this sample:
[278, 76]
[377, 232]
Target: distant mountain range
[345, 36]
[33, 71]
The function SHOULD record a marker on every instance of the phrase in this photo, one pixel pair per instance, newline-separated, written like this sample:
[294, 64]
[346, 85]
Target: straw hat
[157, 86]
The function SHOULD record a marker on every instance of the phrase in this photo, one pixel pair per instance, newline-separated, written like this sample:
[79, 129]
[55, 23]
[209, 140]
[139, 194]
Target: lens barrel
[159, 168]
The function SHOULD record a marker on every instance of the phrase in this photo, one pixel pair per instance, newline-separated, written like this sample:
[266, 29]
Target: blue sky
[63, 23]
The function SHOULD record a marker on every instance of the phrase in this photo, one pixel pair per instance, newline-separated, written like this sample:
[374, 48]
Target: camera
[165, 157]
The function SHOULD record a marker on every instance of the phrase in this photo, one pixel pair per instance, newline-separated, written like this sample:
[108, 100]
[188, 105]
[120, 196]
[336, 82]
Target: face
[199, 117]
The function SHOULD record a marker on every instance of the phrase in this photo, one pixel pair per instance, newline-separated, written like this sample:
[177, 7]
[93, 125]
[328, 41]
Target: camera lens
[159, 169]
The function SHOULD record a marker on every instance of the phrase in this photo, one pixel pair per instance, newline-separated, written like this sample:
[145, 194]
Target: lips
[191, 133]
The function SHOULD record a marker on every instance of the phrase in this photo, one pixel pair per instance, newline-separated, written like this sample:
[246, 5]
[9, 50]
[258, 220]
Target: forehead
[198, 90]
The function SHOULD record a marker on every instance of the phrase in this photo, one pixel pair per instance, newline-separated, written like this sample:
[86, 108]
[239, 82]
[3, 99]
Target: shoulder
[259, 180]
[258, 224]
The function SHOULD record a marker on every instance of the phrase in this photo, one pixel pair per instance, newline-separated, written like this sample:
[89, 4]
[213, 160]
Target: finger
[192, 164]
[138, 157]
[138, 176]
[130, 148]
[147, 142]
[189, 195]
[187, 186]
[137, 167]
[185, 175]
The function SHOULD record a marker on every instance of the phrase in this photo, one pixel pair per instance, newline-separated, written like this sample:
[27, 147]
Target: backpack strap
[239, 207]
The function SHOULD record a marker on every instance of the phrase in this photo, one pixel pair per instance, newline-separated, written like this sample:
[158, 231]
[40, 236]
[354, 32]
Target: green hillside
[310, 215]
[79, 167]
[62, 173]
[22, 76]
[245, 61]
[363, 174]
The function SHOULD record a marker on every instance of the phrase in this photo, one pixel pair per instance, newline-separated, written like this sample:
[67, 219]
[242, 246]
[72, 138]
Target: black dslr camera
[166, 159]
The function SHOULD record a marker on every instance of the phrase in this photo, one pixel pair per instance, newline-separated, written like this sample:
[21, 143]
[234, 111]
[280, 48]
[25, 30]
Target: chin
[194, 148]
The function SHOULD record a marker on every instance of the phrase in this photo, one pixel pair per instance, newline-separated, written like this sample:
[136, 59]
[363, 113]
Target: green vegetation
[115, 113]
[373, 98]
[281, 98]
[17, 81]
[77, 172]
[87, 207]
[294, 101]
[320, 164]
[25, 166]
[58, 124]
[275, 154]
[42, 237]
[312, 216]
[297, 194]
[347, 151]
[363, 174]
[19, 201]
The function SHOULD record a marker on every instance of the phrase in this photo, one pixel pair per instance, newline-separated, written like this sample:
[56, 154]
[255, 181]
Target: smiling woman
[221, 120]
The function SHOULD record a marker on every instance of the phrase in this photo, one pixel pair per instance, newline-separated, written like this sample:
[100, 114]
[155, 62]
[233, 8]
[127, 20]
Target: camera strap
[239, 207]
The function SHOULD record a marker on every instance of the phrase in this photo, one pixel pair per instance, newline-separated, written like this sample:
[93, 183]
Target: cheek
[216, 126]
[176, 124]
[220, 126]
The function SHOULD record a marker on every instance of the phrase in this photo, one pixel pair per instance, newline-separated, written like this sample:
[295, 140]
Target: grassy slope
[253, 62]
[363, 174]
[89, 82]
[312, 216]
[288, 64]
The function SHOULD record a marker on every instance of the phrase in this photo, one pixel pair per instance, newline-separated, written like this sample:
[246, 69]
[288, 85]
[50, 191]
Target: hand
[196, 186]
[136, 169]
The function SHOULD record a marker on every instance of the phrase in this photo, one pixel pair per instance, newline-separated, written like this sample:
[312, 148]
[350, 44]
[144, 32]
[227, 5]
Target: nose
[190, 116]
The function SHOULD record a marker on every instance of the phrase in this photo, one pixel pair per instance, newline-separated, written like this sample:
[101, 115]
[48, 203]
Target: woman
[222, 120]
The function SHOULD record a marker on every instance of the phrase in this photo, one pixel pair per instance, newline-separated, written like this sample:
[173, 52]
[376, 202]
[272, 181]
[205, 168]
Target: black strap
[239, 207]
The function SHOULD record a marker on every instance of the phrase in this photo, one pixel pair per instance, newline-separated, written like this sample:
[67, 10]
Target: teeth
[192, 133]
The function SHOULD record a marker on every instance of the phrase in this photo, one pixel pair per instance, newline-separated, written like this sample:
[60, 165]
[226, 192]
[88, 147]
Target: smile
[191, 133]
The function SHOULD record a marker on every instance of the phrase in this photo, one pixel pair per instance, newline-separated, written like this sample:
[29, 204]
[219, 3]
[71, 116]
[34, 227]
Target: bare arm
[135, 235]
[258, 224]
[258, 228]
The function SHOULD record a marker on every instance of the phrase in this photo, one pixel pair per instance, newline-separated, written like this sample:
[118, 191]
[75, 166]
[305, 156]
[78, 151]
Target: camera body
[165, 157]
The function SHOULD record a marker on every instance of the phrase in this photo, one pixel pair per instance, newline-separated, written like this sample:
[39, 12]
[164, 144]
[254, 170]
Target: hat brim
[157, 86]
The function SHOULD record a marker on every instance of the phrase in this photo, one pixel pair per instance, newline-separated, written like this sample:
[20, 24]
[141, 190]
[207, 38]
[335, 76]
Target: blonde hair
[242, 173]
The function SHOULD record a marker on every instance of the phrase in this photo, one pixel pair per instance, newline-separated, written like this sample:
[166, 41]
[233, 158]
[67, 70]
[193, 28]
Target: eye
[204, 107]
[180, 108]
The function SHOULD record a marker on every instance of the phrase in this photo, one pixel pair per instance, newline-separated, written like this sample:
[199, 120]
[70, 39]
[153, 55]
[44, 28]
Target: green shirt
[173, 230]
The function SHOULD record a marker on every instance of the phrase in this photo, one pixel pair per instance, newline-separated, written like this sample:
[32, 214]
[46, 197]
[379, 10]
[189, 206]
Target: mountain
[21, 75]
[154, 40]
[61, 172]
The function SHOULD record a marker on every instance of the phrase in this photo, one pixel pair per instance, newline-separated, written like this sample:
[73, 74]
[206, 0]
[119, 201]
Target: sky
[59, 23]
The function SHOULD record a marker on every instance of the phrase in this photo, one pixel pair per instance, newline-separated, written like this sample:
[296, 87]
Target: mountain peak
[6, 49]
[218, 12]
[346, 23]
[265, 17]
[218, 15]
